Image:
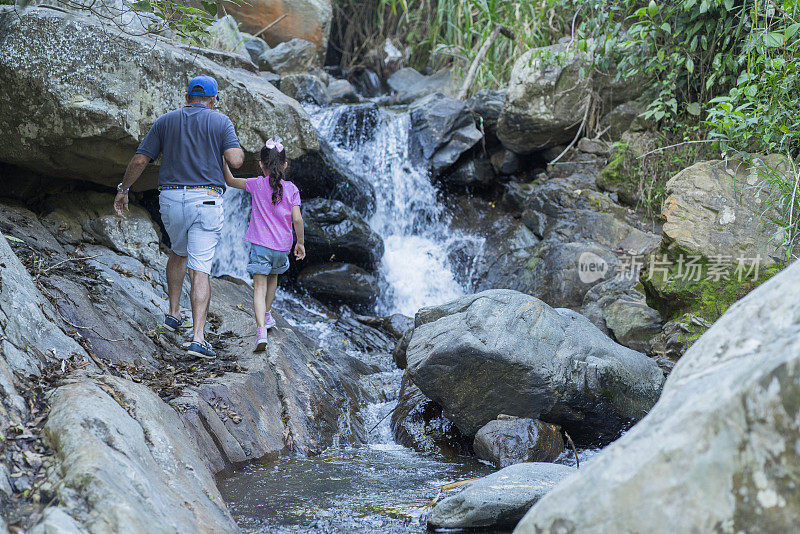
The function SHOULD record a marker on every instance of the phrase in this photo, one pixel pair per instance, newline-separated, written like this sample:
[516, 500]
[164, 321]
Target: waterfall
[416, 269]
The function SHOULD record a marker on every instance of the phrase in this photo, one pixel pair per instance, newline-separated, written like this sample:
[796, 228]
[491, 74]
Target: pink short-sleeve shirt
[271, 224]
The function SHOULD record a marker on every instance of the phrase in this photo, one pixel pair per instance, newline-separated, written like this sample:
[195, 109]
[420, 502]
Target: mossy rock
[619, 176]
[704, 293]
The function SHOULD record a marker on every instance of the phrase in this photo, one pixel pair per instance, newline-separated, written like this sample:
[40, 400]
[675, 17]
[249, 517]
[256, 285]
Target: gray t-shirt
[192, 140]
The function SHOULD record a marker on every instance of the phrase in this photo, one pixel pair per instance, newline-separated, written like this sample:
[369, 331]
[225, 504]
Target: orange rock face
[305, 19]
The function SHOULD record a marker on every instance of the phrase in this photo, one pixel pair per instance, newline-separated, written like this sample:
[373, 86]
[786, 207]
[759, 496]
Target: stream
[380, 486]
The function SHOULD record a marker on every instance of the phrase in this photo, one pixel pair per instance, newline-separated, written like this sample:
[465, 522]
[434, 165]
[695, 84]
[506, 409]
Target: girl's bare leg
[272, 287]
[260, 290]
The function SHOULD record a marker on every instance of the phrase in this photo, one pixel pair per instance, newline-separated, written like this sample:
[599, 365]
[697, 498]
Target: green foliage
[189, 23]
[782, 183]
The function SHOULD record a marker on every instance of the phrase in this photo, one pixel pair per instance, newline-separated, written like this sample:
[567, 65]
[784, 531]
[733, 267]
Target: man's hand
[121, 203]
[300, 251]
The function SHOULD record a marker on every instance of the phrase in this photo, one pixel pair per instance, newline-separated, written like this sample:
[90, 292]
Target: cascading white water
[415, 270]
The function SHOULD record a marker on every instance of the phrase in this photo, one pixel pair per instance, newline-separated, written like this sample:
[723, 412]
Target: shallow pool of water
[375, 488]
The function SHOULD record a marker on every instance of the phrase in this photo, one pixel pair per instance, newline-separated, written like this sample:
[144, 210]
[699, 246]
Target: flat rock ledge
[500, 500]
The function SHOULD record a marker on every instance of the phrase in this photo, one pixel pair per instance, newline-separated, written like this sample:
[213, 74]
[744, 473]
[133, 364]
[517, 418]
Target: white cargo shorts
[193, 219]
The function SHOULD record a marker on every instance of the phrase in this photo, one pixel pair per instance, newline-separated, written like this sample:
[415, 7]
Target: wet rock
[333, 230]
[309, 20]
[722, 437]
[418, 423]
[305, 88]
[511, 440]
[439, 82]
[340, 282]
[321, 173]
[124, 97]
[488, 104]
[472, 173]
[355, 125]
[343, 92]
[89, 217]
[31, 335]
[291, 57]
[128, 462]
[505, 162]
[714, 208]
[395, 325]
[500, 500]
[547, 96]
[404, 78]
[254, 46]
[399, 352]
[504, 352]
[442, 128]
[365, 81]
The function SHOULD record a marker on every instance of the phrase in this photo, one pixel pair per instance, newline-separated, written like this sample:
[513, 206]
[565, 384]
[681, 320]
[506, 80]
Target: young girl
[276, 206]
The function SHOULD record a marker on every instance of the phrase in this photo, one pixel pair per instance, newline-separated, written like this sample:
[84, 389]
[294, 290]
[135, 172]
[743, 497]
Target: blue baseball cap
[208, 86]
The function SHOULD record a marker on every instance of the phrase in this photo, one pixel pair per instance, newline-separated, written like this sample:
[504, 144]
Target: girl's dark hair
[274, 162]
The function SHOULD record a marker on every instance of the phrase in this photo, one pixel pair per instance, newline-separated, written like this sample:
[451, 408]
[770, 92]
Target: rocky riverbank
[575, 308]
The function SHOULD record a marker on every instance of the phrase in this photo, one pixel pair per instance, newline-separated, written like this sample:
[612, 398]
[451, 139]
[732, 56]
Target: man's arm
[230, 179]
[234, 157]
[132, 173]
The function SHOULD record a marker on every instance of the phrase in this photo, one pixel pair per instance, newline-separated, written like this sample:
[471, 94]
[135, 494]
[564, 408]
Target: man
[192, 142]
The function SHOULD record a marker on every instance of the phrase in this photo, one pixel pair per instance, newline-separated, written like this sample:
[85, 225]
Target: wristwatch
[123, 191]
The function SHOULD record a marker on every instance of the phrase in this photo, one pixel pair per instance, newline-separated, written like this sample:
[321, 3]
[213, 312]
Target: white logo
[591, 267]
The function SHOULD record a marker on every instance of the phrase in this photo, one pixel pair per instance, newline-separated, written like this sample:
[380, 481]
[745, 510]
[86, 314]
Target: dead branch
[480, 56]
[574, 450]
[271, 24]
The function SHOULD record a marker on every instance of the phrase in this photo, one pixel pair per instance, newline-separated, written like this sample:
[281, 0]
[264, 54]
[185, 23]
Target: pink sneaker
[269, 322]
[261, 339]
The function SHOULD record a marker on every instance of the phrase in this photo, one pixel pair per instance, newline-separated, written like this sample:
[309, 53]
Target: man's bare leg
[200, 297]
[176, 271]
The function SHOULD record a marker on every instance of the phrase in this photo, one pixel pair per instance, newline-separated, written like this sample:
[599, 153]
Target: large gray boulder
[128, 463]
[720, 209]
[80, 97]
[547, 97]
[334, 230]
[504, 352]
[719, 451]
[499, 500]
[442, 128]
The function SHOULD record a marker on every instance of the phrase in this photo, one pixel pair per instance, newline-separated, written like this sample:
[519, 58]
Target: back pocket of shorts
[211, 217]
